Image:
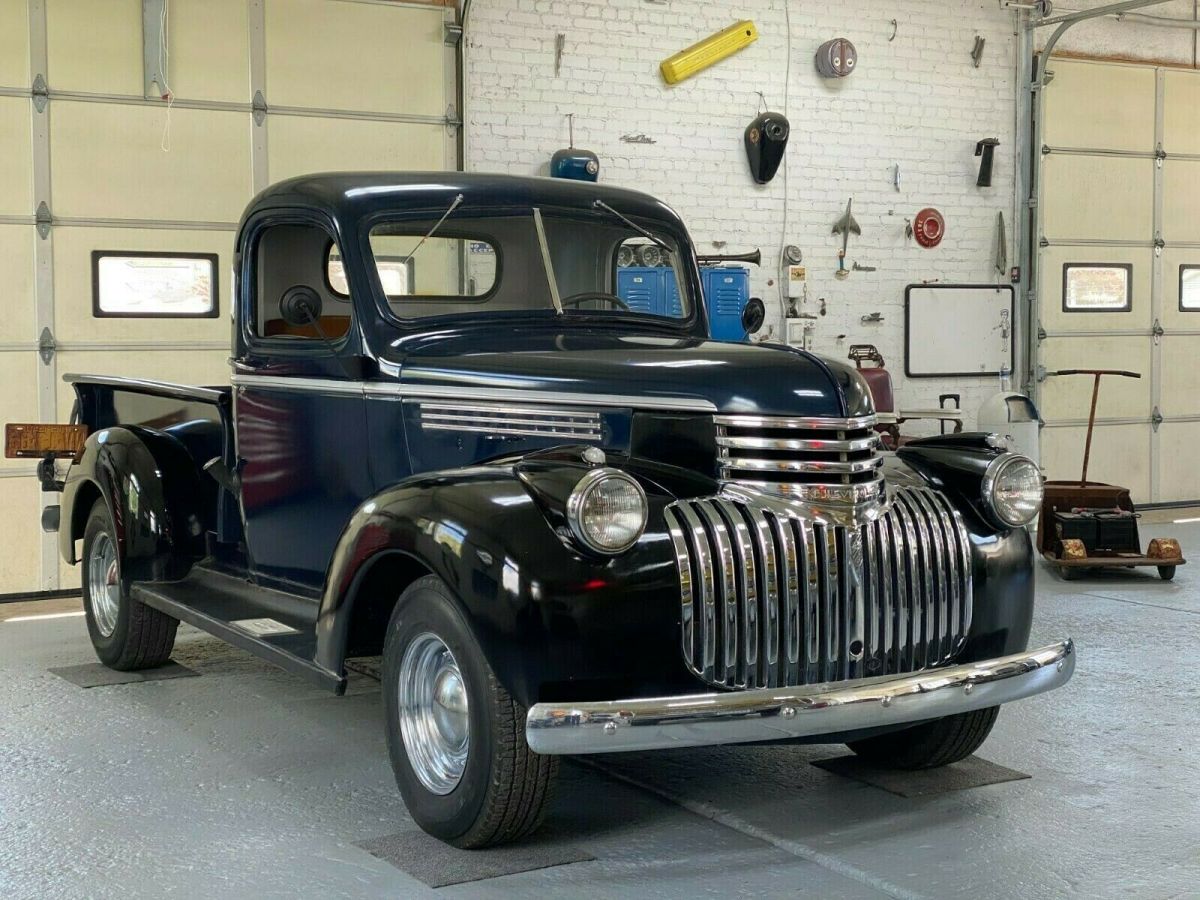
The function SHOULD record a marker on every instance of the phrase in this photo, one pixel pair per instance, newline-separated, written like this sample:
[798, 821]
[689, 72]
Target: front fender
[153, 493]
[543, 611]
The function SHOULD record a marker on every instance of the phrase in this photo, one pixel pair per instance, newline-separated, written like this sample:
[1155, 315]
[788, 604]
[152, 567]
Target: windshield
[470, 261]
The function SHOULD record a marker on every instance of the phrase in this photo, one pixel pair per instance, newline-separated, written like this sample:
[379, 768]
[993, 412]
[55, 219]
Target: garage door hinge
[1042, 242]
[1041, 332]
[47, 345]
[452, 119]
[44, 220]
[1157, 331]
[258, 108]
[451, 34]
[1156, 419]
[1031, 202]
[1159, 155]
[1045, 149]
[1039, 372]
[1159, 243]
[41, 93]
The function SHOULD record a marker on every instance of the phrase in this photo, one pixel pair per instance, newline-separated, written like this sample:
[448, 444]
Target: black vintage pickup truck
[568, 521]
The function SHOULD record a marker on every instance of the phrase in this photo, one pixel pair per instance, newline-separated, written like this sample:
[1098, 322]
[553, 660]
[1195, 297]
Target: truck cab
[566, 524]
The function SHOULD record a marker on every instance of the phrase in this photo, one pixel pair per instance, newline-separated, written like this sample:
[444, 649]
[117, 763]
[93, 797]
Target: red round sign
[928, 227]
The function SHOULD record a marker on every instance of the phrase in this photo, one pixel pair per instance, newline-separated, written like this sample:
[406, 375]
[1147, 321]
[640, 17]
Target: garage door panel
[16, 264]
[1181, 378]
[1181, 112]
[300, 145]
[95, 45]
[1181, 201]
[16, 157]
[73, 307]
[1073, 207]
[210, 46]
[397, 63]
[14, 44]
[1120, 455]
[20, 534]
[109, 162]
[18, 399]
[1050, 289]
[1179, 443]
[203, 367]
[1069, 396]
[1099, 106]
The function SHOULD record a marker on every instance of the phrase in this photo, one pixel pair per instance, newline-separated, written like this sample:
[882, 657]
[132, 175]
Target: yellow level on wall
[705, 53]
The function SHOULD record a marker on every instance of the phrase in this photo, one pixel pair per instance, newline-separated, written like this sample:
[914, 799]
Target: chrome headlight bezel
[991, 479]
[585, 487]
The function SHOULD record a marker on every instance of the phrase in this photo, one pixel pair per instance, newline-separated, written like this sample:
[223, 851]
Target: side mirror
[754, 313]
[300, 305]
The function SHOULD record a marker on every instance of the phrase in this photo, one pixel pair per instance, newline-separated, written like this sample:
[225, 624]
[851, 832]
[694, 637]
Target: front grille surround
[770, 597]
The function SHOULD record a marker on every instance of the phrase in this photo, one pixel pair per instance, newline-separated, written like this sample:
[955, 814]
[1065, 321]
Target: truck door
[298, 399]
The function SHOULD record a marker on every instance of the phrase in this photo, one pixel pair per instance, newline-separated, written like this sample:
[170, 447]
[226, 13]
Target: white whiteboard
[957, 329]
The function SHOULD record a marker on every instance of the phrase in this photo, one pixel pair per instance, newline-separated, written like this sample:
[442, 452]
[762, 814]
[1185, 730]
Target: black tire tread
[149, 633]
[931, 745]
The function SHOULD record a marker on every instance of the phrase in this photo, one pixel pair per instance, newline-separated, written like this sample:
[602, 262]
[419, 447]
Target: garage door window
[1097, 287]
[1189, 288]
[139, 284]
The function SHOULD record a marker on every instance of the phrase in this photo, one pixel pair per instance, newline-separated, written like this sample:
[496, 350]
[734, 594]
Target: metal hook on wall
[895, 29]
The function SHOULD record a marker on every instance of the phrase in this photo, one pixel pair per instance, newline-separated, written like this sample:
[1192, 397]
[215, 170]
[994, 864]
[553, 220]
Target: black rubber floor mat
[437, 864]
[92, 675]
[969, 773]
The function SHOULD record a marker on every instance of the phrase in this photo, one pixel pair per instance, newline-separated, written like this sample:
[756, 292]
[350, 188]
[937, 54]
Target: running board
[279, 628]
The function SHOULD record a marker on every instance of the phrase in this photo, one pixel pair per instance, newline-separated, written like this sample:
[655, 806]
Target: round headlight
[1012, 489]
[607, 511]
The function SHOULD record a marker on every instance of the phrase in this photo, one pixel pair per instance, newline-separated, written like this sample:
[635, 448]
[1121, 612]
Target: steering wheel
[576, 299]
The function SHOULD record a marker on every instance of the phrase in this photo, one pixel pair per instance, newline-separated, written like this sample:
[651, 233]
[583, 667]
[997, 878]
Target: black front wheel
[126, 634]
[928, 746]
[455, 736]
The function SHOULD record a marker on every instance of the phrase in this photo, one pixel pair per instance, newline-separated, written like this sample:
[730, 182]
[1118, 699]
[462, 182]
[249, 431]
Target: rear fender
[154, 495]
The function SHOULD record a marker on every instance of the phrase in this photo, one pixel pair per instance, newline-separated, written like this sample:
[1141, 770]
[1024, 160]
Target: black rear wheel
[126, 634]
[1166, 573]
[931, 745]
[455, 736]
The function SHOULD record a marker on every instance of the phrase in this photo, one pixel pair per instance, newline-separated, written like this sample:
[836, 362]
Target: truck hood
[770, 379]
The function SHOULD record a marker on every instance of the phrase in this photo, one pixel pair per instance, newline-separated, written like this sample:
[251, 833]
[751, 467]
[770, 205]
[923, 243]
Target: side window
[1189, 288]
[140, 284]
[291, 256]
[1097, 287]
[647, 280]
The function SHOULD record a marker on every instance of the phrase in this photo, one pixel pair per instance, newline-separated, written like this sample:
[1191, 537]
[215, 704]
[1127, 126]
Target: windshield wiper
[600, 204]
[458, 199]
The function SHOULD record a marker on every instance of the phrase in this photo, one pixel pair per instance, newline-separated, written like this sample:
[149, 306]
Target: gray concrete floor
[246, 782]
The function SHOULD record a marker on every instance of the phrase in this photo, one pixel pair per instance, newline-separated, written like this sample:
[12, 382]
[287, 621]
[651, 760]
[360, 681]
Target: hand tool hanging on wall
[572, 162]
[766, 138]
[1000, 260]
[836, 58]
[977, 50]
[707, 52]
[844, 226]
[987, 149]
[716, 259]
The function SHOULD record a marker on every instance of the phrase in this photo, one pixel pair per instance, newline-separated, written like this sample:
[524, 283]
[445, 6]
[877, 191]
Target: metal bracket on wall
[451, 34]
[47, 346]
[40, 92]
[258, 108]
[154, 54]
[43, 219]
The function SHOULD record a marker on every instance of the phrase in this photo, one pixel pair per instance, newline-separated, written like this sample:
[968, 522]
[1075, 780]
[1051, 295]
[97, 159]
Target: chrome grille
[525, 421]
[773, 599]
[815, 459]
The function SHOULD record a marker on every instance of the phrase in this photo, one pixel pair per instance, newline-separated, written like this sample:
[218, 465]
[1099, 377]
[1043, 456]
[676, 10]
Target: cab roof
[346, 196]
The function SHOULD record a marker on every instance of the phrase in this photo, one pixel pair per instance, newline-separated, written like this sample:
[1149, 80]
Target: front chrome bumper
[780, 713]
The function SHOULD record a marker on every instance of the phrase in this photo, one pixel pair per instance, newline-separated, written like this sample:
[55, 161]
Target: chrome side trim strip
[143, 386]
[695, 720]
[528, 421]
[397, 391]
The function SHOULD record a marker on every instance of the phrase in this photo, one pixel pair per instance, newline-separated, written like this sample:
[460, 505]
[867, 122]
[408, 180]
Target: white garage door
[263, 90]
[1119, 274]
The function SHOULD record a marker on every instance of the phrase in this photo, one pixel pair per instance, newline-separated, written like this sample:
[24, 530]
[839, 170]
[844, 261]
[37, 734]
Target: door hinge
[41, 93]
[452, 119]
[258, 108]
[1159, 243]
[44, 220]
[1045, 149]
[1041, 332]
[1157, 330]
[1156, 419]
[47, 346]
[1159, 155]
[1039, 372]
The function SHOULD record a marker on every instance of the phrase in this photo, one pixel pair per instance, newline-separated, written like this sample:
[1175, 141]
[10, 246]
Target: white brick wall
[917, 101]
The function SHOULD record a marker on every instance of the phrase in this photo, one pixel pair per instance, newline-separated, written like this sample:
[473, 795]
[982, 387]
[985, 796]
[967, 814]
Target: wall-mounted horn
[754, 258]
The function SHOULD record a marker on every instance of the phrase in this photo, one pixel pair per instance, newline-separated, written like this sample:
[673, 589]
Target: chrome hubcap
[104, 584]
[434, 718]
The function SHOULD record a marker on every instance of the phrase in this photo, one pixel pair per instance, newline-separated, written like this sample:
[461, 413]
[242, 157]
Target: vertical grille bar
[768, 598]
[764, 541]
[708, 600]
